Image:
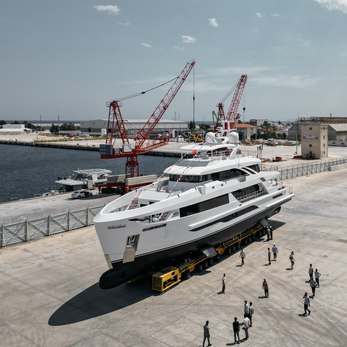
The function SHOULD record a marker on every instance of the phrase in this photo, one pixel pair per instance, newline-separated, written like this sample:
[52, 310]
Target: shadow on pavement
[94, 301]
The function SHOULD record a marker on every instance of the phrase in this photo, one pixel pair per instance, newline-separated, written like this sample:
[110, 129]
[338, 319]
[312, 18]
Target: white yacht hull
[159, 242]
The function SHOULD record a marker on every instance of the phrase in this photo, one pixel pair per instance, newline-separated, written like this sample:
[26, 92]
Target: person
[292, 260]
[275, 252]
[246, 308]
[313, 285]
[268, 233]
[206, 334]
[236, 330]
[245, 327]
[223, 284]
[316, 277]
[242, 256]
[269, 255]
[310, 272]
[251, 312]
[266, 288]
[306, 304]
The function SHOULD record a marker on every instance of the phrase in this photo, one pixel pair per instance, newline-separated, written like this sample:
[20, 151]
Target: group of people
[314, 283]
[248, 307]
[274, 251]
[246, 324]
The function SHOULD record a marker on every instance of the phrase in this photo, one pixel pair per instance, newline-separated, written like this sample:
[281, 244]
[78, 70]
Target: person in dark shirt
[206, 334]
[236, 329]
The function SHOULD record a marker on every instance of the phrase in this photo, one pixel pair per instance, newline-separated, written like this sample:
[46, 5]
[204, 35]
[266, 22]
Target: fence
[28, 230]
[309, 169]
[37, 228]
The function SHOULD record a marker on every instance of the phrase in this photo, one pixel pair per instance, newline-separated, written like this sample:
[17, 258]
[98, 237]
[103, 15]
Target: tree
[67, 126]
[54, 129]
[191, 125]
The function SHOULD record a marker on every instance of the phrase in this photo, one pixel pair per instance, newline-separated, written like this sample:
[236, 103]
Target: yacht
[199, 202]
[83, 179]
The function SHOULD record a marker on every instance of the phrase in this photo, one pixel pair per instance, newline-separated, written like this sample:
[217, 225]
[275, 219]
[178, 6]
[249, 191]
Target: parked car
[78, 194]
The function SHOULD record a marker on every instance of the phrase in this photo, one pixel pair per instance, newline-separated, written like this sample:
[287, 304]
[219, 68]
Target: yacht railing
[250, 196]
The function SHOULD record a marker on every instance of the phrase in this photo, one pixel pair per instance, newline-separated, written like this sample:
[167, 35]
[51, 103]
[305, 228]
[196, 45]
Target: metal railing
[309, 169]
[34, 229]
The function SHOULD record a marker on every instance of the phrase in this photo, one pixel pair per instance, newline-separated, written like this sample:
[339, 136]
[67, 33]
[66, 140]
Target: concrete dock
[50, 296]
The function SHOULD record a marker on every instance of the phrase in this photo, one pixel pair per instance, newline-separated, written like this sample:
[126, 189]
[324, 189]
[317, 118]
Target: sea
[27, 171]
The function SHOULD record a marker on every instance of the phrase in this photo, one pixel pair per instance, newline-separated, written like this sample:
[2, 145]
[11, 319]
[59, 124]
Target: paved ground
[50, 296]
[16, 211]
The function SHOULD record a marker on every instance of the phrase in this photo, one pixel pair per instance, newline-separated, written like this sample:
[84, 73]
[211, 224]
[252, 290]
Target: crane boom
[232, 112]
[153, 120]
[142, 145]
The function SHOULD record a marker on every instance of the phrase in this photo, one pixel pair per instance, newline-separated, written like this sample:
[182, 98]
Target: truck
[121, 184]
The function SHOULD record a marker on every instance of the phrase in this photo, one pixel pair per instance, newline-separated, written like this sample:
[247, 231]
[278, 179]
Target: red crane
[142, 142]
[231, 118]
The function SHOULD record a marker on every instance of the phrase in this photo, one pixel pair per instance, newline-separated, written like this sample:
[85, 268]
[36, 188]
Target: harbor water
[28, 171]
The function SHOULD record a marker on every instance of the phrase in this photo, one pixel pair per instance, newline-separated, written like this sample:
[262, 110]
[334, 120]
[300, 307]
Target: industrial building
[133, 126]
[314, 140]
[14, 129]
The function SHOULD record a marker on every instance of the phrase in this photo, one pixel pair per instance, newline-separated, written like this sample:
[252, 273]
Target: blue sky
[69, 57]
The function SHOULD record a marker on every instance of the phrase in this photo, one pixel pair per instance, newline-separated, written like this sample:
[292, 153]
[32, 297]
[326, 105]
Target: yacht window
[189, 178]
[228, 174]
[255, 167]
[204, 205]
[228, 218]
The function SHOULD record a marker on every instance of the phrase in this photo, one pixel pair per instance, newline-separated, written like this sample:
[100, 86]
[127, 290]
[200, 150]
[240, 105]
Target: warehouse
[98, 127]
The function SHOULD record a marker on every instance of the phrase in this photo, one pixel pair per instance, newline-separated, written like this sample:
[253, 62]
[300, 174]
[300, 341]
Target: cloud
[288, 81]
[274, 14]
[259, 15]
[231, 71]
[339, 5]
[188, 39]
[126, 24]
[110, 9]
[147, 45]
[213, 22]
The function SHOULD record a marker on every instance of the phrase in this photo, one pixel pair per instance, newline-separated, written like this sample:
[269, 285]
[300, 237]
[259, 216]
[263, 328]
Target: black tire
[186, 275]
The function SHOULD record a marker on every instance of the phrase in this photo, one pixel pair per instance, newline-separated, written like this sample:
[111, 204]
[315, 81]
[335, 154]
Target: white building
[14, 129]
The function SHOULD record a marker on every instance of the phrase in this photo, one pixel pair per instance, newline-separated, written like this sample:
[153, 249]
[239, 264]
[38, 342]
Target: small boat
[199, 202]
[83, 179]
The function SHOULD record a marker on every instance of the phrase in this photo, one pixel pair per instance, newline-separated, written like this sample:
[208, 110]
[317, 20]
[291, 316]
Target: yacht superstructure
[198, 202]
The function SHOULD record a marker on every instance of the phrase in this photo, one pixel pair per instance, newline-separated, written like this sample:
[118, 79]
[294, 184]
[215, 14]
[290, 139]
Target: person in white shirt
[246, 323]
[316, 277]
[246, 308]
[242, 256]
[275, 251]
